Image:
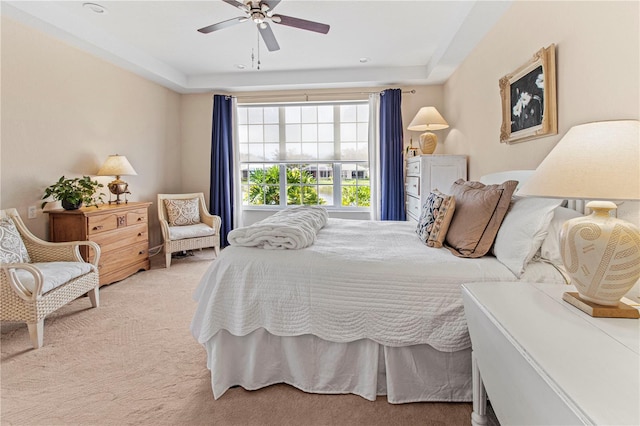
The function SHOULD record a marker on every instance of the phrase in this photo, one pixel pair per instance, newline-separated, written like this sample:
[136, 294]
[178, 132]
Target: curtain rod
[306, 95]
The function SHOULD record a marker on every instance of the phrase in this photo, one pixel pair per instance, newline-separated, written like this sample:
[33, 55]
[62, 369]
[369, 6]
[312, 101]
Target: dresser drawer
[413, 185]
[413, 168]
[135, 217]
[114, 240]
[110, 221]
[413, 207]
[116, 259]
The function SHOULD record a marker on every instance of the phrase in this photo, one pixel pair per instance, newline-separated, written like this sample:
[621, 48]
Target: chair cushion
[190, 231]
[12, 249]
[182, 212]
[55, 274]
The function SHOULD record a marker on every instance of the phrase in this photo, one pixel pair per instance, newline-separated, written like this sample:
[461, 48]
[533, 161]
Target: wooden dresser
[121, 231]
[428, 172]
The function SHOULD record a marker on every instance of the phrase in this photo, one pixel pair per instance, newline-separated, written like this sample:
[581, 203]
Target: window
[311, 154]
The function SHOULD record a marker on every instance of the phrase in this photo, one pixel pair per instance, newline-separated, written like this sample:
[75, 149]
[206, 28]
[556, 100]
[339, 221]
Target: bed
[367, 309]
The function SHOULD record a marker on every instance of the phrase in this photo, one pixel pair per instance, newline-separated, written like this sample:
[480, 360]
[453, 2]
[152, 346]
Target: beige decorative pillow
[435, 217]
[12, 249]
[442, 222]
[182, 212]
[479, 212]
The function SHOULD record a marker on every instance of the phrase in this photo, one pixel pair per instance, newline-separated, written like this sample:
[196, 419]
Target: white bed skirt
[365, 368]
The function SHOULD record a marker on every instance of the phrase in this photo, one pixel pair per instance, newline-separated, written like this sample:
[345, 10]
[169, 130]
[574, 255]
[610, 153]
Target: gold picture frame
[529, 104]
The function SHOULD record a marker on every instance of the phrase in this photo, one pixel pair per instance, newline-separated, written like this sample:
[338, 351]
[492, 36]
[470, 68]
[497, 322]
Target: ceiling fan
[261, 13]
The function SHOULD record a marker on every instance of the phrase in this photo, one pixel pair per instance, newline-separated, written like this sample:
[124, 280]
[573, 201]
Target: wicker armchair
[31, 291]
[203, 231]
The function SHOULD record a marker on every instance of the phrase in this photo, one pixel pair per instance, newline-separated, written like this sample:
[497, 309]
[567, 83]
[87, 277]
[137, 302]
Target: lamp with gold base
[428, 119]
[601, 253]
[117, 165]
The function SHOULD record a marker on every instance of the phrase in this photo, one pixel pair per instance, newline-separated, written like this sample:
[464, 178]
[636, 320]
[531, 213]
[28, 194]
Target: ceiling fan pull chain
[258, 43]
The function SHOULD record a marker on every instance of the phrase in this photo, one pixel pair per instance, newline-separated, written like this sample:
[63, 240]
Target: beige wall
[598, 77]
[196, 118]
[64, 112]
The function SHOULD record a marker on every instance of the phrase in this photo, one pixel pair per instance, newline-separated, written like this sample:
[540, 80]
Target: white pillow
[522, 231]
[550, 249]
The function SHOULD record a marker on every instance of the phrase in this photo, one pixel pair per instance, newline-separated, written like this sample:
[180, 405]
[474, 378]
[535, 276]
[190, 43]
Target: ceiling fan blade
[300, 23]
[268, 37]
[237, 4]
[223, 24]
[271, 3]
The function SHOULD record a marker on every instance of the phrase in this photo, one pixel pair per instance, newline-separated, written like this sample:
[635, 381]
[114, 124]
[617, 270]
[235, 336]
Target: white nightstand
[542, 361]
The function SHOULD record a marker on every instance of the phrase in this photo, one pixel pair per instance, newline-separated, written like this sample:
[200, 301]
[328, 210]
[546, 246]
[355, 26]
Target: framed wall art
[529, 105]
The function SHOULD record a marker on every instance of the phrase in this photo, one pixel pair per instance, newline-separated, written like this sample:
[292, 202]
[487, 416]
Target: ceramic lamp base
[601, 254]
[428, 142]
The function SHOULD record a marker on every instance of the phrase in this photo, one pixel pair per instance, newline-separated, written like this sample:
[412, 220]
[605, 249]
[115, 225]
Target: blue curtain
[221, 188]
[391, 161]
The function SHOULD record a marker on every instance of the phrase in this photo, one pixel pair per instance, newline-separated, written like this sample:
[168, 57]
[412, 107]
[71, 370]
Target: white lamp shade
[598, 161]
[116, 165]
[427, 119]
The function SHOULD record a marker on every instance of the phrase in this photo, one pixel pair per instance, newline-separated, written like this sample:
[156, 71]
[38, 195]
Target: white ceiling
[407, 42]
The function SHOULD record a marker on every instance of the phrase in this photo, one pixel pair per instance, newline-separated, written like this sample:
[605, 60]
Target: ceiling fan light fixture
[257, 17]
[263, 25]
[276, 19]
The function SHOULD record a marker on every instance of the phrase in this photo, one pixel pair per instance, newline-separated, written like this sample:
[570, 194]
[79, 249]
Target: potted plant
[74, 192]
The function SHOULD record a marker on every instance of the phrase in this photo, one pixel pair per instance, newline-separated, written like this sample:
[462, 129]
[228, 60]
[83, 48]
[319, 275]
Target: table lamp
[427, 119]
[596, 161]
[117, 165]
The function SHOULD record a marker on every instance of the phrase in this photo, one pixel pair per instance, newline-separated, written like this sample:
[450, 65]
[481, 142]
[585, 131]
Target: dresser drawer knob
[142, 252]
[97, 228]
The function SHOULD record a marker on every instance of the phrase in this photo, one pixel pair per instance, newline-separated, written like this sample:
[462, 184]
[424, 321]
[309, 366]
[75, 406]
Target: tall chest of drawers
[428, 172]
[121, 231]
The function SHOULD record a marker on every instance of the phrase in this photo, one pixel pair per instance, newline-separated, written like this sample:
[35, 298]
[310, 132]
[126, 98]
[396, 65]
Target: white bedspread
[360, 280]
[292, 228]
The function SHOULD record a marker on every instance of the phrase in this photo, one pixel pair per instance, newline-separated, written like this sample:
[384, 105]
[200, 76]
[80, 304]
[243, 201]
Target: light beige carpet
[134, 361]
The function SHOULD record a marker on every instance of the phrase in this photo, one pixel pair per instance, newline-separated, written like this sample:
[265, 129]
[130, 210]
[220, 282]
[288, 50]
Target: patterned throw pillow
[12, 249]
[182, 212]
[435, 218]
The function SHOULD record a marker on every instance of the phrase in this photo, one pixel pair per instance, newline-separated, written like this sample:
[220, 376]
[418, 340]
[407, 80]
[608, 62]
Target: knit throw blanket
[291, 228]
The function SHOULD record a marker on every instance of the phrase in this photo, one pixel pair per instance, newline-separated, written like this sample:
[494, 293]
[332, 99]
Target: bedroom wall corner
[598, 78]
[64, 111]
[196, 118]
